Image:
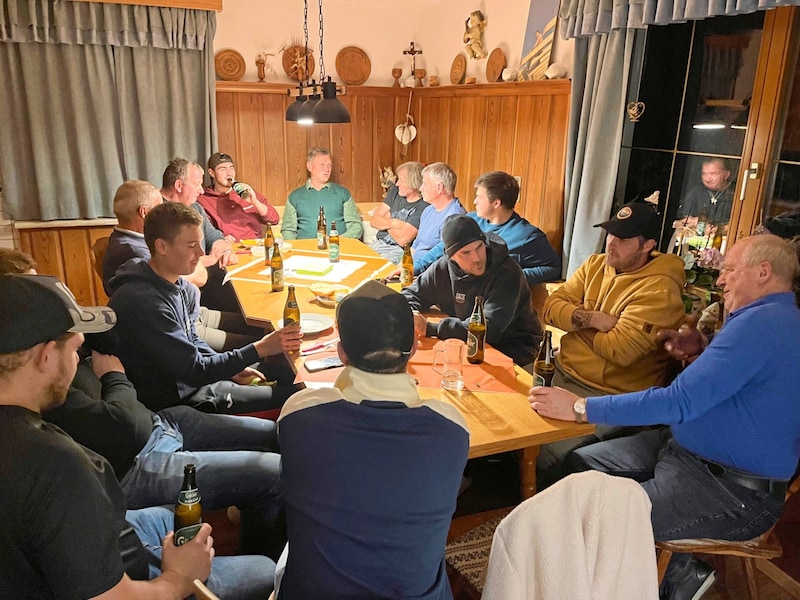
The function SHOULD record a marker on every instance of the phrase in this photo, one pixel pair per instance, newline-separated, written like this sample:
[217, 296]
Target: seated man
[165, 359]
[237, 214]
[611, 309]
[397, 219]
[438, 189]
[496, 194]
[64, 532]
[302, 207]
[369, 503]
[182, 182]
[721, 469]
[704, 213]
[132, 201]
[477, 265]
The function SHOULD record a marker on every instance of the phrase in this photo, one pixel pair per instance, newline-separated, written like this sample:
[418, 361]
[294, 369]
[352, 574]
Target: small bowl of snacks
[328, 294]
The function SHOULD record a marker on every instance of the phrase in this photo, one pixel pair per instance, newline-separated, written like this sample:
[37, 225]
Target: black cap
[632, 220]
[375, 319]
[458, 231]
[218, 158]
[39, 308]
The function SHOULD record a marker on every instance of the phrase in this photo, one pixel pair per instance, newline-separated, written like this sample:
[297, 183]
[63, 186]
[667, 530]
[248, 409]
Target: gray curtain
[95, 94]
[599, 90]
[580, 18]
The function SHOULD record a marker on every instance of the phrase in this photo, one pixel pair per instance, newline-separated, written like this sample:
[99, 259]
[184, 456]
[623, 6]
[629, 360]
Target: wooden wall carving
[518, 127]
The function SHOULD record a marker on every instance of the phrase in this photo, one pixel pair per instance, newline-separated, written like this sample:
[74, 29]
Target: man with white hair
[721, 468]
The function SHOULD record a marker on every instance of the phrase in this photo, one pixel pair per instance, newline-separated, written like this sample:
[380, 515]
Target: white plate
[313, 323]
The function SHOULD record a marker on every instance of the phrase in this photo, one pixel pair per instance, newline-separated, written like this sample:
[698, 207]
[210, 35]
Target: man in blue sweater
[721, 468]
[496, 194]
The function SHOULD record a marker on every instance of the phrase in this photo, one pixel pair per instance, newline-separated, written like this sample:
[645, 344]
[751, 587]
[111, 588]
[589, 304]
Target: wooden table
[261, 306]
[498, 421]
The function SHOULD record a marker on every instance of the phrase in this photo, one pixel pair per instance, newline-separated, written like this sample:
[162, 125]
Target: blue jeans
[233, 464]
[232, 577]
[688, 500]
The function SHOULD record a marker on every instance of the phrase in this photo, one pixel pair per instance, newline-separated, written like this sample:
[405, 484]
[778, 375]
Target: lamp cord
[321, 37]
[305, 31]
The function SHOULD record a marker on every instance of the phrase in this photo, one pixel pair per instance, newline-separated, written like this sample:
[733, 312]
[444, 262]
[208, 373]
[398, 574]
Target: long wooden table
[499, 421]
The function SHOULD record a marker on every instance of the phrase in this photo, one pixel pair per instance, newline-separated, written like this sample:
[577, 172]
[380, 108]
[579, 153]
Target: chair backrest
[587, 536]
[201, 592]
[98, 251]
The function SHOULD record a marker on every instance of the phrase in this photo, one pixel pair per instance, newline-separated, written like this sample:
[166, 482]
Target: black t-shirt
[105, 416]
[62, 512]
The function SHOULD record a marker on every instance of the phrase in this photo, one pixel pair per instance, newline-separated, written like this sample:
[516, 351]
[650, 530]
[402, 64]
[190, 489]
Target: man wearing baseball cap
[611, 309]
[369, 502]
[63, 511]
[477, 264]
[233, 207]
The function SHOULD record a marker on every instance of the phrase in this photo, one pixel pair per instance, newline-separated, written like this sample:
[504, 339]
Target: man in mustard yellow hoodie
[611, 309]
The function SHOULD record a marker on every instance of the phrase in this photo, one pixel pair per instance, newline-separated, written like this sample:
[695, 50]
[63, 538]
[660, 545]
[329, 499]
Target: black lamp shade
[330, 109]
[306, 114]
[294, 108]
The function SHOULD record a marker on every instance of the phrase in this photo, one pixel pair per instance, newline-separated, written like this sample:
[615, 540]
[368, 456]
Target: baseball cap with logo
[632, 220]
[386, 315]
[218, 158]
[39, 308]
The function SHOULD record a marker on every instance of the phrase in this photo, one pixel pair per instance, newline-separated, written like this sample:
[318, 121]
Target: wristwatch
[579, 409]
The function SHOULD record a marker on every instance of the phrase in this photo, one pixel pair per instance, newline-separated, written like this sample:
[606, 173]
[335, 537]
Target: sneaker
[691, 583]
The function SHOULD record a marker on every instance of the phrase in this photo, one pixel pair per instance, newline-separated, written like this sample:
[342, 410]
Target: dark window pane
[782, 212]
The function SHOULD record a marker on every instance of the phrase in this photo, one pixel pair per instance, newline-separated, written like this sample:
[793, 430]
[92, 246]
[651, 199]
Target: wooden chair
[201, 592]
[765, 546]
[98, 251]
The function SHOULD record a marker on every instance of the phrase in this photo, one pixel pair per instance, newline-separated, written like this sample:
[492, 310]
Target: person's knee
[576, 461]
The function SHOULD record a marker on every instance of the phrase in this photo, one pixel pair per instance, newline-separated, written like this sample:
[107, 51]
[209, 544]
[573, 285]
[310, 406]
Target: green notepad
[315, 268]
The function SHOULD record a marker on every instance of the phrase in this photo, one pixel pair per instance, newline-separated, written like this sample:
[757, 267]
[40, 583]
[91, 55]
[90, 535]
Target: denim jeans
[688, 500]
[232, 577]
[231, 454]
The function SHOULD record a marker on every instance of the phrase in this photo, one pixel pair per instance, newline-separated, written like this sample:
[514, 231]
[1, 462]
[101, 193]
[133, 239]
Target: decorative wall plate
[495, 65]
[294, 63]
[229, 65]
[353, 65]
[458, 69]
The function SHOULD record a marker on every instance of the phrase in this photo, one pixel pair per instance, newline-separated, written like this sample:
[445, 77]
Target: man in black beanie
[477, 264]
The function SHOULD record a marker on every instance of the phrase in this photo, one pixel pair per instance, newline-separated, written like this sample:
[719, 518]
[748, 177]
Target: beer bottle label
[320, 239]
[334, 252]
[189, 497]
[472, 344]
[277, 277]
[538, 380]
[185, 534]
[406, 276]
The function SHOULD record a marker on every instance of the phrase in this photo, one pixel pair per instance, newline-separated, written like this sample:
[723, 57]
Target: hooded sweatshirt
[625, 359]
[511, 323]
[163, 356]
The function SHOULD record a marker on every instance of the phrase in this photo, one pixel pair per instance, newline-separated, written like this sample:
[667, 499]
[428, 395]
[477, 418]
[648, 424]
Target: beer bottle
[188, 512]
[544, 367]
[240, 189]
[406, 267]
[476, 333]
[333, 244]
[269, 244]
[291, 312]
[276, 269]
[322, 230]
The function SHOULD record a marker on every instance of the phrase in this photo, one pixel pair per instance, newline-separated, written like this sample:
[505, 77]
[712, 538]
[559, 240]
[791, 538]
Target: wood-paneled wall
[65, 252]
[518, 127]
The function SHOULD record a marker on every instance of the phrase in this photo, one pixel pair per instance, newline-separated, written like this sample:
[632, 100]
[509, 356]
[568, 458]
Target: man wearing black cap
[234, 207]
[64, 532]
[369, 501]
[611, 309]
[477, 264]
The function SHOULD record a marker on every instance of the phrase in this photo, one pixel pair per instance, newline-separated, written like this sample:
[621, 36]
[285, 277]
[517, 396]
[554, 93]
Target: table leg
[527, 471]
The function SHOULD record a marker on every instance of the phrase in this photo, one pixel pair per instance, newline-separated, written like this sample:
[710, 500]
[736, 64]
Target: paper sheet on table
[231, 272]
[341, 270]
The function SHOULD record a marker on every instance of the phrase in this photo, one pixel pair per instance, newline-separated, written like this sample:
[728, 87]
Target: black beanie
[458, 231]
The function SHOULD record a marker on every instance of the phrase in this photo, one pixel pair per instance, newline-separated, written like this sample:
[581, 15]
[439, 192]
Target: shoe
[691, 583]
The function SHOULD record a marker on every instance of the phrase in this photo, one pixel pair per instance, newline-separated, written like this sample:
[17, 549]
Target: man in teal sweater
[302, 207]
